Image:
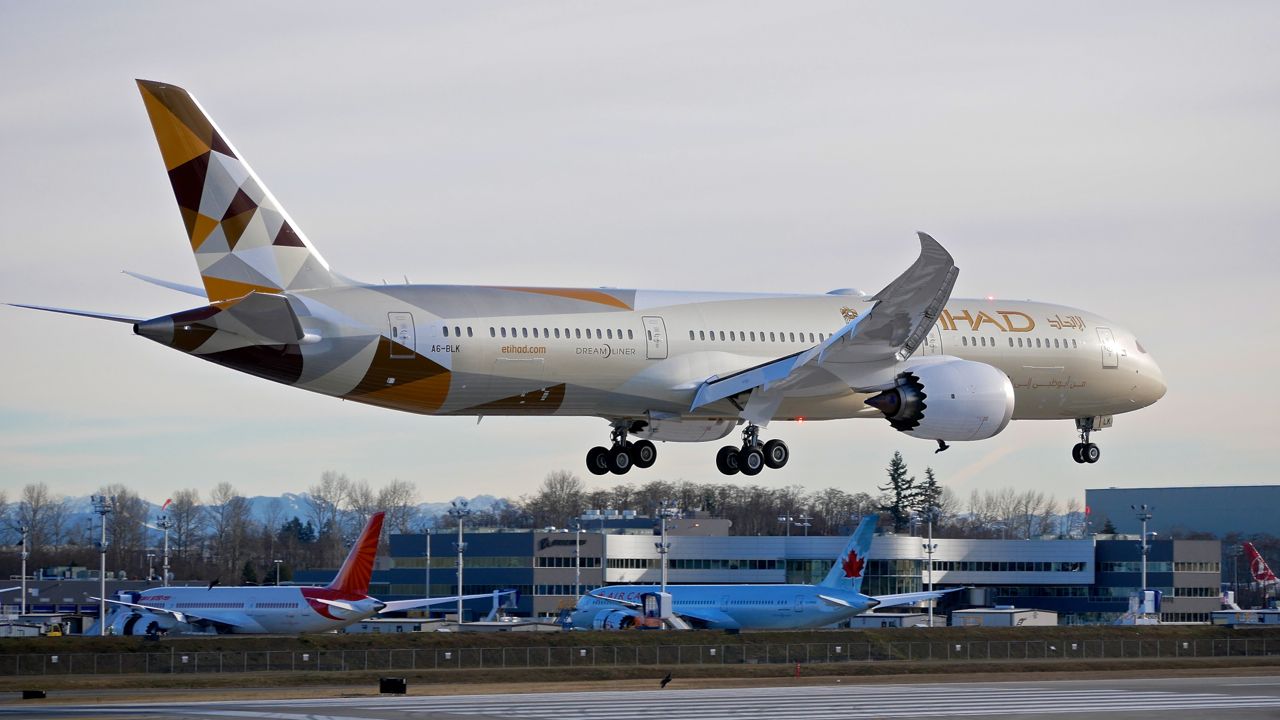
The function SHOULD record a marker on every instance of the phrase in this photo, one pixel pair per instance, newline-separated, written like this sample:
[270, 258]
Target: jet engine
[614, 620]
[952, 399]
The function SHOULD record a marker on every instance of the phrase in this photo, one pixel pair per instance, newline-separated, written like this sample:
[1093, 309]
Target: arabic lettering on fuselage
[1058, 322]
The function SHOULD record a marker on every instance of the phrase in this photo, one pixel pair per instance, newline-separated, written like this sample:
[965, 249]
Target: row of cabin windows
[569, 333]
[967, 341]
[457, 331]
[743, 335]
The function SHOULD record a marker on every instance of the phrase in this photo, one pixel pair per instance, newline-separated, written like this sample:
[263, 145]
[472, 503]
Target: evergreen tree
[1108, 527]
[929, 493]
[248, 575]
[900, 494]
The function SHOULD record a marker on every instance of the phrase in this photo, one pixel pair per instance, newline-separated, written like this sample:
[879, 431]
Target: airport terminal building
[1083, 580]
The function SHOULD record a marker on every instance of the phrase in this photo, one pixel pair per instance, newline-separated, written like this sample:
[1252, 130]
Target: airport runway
[1243, 698]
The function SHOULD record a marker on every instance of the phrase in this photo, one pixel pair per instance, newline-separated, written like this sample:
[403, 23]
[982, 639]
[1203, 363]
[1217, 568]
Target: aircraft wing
[400, 605]
[81, 313]
[909, 598]
[903, 314]
[182, 617]
[15, 587]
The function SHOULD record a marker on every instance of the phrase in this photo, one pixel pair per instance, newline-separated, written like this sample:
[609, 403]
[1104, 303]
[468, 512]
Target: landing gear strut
[621, 455]
[1085, 451]
[753, 456]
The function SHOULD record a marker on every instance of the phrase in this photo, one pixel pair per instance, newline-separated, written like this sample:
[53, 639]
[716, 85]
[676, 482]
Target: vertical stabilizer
[242, 238]
[851, 564]
[356, 571]
[1257, 566]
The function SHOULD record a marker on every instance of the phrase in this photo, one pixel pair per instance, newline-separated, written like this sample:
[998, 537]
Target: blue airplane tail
[851, 564]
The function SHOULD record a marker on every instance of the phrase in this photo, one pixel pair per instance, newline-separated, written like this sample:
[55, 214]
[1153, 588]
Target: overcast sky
[1119, 157]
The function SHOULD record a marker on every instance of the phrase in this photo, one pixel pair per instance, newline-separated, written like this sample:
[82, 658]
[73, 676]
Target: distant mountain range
[290, 505]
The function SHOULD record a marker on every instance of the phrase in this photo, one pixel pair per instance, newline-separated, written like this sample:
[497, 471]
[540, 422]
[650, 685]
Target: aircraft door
[655, 332]
[1110, 356]
[799, 604]
[932, 344]
[404, 339]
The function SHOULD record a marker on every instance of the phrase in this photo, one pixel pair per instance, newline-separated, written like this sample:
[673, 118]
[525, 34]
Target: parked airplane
[657, 365]
[1257, 566]
[754, 607]
[271, 609]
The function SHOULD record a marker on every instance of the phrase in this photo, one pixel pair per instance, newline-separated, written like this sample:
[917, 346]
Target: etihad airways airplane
[655, 365]
[753, 607]
[270, 609]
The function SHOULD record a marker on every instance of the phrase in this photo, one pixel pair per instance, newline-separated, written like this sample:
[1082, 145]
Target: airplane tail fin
[1257, 566]
[357, 569]
[851, 564]
[242, 238]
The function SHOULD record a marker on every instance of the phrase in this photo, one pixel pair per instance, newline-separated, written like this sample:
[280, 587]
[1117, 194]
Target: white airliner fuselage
[657, 365]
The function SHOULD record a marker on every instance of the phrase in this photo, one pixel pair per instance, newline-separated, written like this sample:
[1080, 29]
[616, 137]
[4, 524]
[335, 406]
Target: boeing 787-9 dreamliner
[654, 364]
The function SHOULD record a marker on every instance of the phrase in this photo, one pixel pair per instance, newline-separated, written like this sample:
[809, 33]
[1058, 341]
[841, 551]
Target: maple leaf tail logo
[853, 565]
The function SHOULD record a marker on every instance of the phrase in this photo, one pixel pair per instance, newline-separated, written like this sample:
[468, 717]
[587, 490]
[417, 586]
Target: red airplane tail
[1258, 566]
[356, 571]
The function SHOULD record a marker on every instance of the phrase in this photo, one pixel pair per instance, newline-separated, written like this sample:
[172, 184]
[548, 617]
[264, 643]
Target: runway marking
[766, 703]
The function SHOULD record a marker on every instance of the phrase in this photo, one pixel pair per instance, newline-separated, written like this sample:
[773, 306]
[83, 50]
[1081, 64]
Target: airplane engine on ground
[949, 400]
[614, 620]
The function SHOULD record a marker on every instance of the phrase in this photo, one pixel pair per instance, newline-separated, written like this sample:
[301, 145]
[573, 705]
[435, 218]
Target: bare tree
[31, 511]
[325, 500]
[229, 524]
[559, 499]
[399, 498]
[189, 525]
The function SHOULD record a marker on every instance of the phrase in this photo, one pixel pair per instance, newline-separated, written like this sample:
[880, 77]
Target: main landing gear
[752, 457]
[1085, 451]
[621, 455]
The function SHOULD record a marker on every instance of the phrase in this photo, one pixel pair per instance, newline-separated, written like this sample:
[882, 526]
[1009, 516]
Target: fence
[179, 662]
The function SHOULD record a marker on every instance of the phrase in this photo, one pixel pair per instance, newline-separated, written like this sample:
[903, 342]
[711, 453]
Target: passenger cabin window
[964, 341]
[630, 336]
[504, 332]
[492, 333]
[469, 333]
[610, 331]
[753, 336]
[446, 331]
[702, 335]
[772, 338]
[721, 336]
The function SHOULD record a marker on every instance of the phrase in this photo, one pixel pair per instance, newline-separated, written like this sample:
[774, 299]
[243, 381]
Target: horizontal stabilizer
[167, 284]
[82, 313]
[912, 598]
[834, 601]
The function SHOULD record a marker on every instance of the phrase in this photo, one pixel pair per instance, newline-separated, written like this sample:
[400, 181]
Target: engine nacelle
[952, 399]
[614, 620]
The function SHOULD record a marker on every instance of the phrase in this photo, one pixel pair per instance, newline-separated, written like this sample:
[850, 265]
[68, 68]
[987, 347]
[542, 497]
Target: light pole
[164, 523]
[786, 520]
[23, 530]
[804, 523]
[278, 563]
[577, 561]
[103, 505]
[151, 566]
[668, 509]
[1143, 513]
[1236, 551]
[929, 547]
[426, 595]
[460, 511]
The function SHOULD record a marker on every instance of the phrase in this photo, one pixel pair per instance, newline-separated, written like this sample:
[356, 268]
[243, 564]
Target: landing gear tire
[776, 454]
[644, 454]
[751, 460]
[619, 459]
[598, 460]
[727, 460]
[1085, 451]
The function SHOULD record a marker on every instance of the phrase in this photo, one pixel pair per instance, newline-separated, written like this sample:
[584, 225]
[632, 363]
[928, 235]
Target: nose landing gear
[1085, 451]
[753, 456]
[621, 455]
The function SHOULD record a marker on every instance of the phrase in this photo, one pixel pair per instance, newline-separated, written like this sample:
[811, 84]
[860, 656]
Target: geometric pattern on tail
[241, 237]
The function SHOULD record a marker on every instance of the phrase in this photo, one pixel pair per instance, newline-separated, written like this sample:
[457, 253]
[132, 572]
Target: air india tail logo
[853, 565]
